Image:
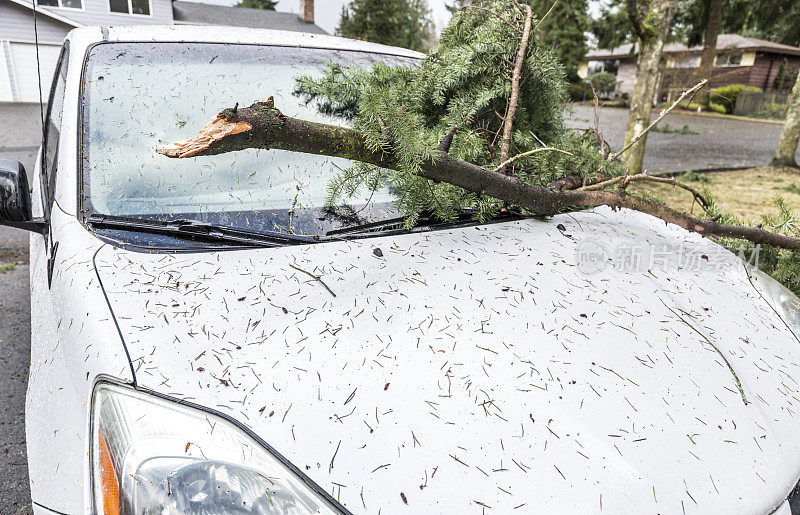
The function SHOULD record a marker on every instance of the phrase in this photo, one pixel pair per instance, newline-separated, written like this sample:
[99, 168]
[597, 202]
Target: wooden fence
[762, 105]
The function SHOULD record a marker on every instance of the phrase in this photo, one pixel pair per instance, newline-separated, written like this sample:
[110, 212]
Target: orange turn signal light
[109, 482]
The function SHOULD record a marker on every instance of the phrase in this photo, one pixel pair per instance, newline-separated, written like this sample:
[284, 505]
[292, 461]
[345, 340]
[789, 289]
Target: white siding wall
[19, 81]
[626, 76]
[96, 12]
[16, 23]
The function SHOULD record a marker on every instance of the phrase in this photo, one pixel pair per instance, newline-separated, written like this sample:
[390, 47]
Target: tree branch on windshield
[263, 126]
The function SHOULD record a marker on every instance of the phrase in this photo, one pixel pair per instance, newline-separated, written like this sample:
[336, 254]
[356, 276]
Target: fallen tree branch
[505, 144]
[664, 113]
[263, 126]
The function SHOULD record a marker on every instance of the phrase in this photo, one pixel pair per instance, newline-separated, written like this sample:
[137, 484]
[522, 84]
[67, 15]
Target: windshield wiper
[426, 222]
[199, 230]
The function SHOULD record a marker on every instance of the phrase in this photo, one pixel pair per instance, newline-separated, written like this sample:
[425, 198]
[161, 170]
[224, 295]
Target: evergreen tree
[613, 27]
[565, 30]
[403, 23]
[267, 5]
[773, 20]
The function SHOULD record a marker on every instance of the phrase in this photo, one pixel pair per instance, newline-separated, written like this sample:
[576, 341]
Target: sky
[327, 11]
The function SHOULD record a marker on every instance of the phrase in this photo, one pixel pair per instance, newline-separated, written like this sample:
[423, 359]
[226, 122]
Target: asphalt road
[719, 143]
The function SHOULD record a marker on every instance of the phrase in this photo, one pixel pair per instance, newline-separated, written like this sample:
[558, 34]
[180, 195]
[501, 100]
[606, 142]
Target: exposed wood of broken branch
[271, 129]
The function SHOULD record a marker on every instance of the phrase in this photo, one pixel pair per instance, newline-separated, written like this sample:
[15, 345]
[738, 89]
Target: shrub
[685, 104]
[579, 91]
[604, 84]
[775, 111]
[717, 108]
[726, 95]
[692, 176]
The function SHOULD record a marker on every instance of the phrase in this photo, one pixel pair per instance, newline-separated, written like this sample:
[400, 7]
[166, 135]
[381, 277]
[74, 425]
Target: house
[19, 77]
[195, 13]
[739, 60]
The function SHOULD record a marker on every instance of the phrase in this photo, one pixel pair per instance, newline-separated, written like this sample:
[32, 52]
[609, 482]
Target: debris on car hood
[484, 366]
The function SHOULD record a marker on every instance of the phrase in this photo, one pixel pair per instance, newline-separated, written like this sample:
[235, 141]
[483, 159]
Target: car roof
[239, 35]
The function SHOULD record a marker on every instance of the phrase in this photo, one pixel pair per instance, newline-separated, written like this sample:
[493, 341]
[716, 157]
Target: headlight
[783, 301]
[151, 455]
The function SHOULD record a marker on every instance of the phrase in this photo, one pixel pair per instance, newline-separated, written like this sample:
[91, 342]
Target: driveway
[720, 142]
[20, 136]
[14, 361]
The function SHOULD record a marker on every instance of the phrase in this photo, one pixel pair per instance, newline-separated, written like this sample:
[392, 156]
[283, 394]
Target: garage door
[5, 77]
[23, 68]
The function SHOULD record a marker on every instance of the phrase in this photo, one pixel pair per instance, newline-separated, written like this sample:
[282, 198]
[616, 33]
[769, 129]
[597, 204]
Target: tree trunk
[263, 126]
[651, 45]
[790, 136]
[709, 47]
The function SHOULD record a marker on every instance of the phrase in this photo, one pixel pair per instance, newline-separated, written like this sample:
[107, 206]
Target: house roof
[195, 13]
[48, 13]
[724, 42]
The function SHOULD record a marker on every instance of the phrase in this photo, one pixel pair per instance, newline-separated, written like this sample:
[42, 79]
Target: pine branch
[263, 126]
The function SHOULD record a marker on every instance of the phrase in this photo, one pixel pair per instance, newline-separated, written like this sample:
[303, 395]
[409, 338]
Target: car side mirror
[15, 198]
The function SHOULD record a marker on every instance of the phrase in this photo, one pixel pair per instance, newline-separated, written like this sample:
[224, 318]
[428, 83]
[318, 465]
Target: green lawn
[747, 194]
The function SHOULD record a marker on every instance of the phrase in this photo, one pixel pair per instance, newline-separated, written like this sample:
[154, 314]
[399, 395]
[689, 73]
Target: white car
[207, 337]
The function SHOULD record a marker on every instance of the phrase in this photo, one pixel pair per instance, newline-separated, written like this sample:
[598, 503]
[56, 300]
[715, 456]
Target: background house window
[729, 59]
[610, 66]
[129, 6]
[689, 61]
[64, 4]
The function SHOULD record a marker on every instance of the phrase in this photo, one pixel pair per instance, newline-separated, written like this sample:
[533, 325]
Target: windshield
[139, 95]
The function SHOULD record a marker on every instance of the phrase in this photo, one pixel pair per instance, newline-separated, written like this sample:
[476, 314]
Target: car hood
[523, 364]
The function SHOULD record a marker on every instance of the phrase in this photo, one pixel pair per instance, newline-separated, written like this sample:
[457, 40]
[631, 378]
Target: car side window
[52, 131]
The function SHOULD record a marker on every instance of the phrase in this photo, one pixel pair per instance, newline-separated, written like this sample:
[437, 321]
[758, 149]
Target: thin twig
[505, 145]
[664, 113]
[492, 13]
[704, 337]
[597, 132]
[627, 179]
[545, 16]
[315, 277]
[530, 153]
